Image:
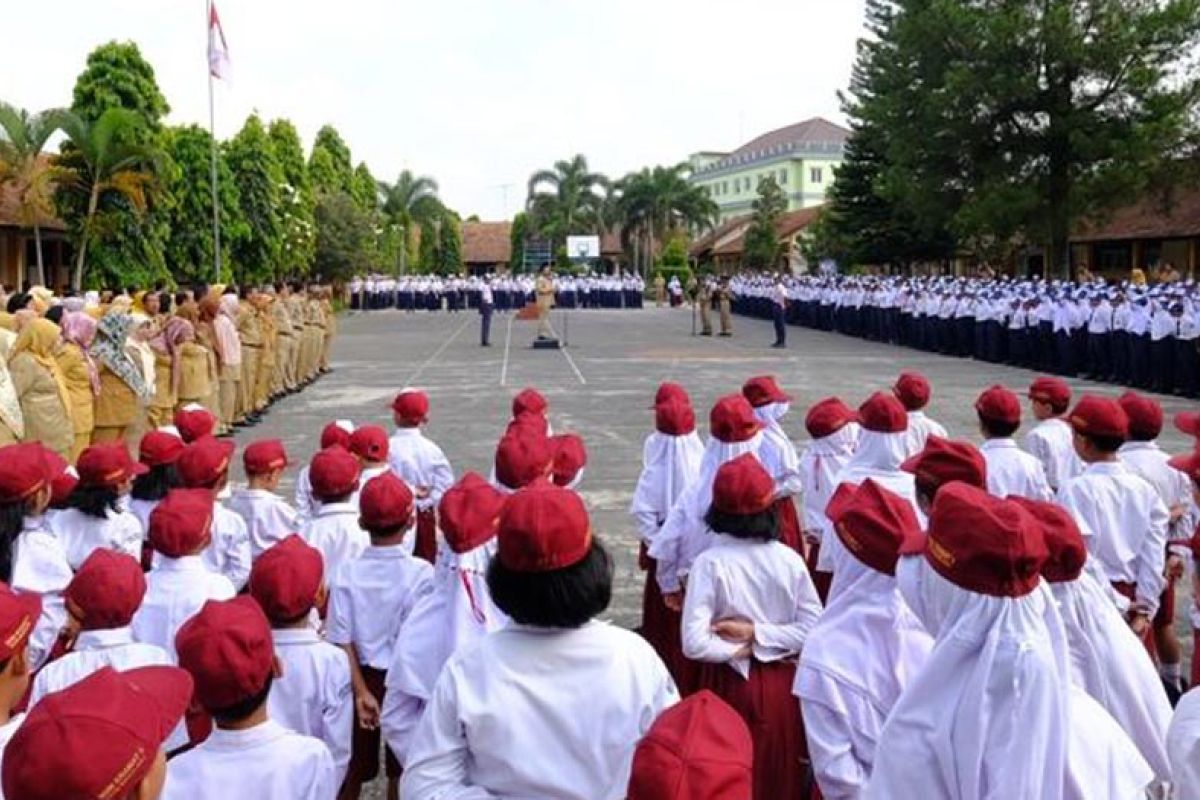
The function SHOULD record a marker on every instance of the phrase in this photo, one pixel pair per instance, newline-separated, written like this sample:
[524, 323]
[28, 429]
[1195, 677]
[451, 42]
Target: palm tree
[657, 203]
[21, 163]
[410, 202]
[101, 162]
[566, 200]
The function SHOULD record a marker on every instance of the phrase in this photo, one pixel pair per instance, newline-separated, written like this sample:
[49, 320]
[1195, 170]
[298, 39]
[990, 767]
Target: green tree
[655, 204]
[329, 164]
[409, 202]
[450, 245]
[516, 239]
[762, 248]
[23, 137]
[565, 200]
[344, 237]
[297, 201]
[256, 256]
[118, 76]
[364, 189]
[428, 244]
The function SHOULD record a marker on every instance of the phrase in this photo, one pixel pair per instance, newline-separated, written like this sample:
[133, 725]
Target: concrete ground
[601, 387]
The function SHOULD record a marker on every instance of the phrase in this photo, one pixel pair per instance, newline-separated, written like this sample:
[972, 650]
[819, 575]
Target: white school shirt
[266, 762]
[920, 428]
[93, 651]
[268, 517]
[40, 566]
[776, 451]
[335, 532]
[418, 462]
[1010, 470]
[229, 552]
[764, 582]
[1052, 442]
[305, 504]
[1125, 526]
[1149, 462]
[820, 464]
[80, 534]
[669, 464]
[314, 696]
[142, 510]
[519, 715]
[1183, 746]
[175, 590]
[7, 730]
[1100, 320]
[409, 544]
[371, 598]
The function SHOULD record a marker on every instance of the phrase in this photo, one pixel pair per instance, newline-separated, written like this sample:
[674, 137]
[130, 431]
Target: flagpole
[212, 130]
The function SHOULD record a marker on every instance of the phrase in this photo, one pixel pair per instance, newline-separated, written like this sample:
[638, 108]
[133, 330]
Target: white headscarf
[777, 452]
[669, 464]
[820, 463]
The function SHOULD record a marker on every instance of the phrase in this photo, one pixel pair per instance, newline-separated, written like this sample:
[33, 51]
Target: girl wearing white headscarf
[778, 454]
[834, 432]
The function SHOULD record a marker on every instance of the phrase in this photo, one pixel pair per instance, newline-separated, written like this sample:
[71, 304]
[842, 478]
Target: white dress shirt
[314, 696]
[371, 598]
[1010, 470]
[419, 462]
[40, 566]
[175, 590]
[1183, 746]
[305, 504]
[142, 510]
[229, 552]
[80, 534]
[93, 651]
[268, 517]
[266, 762]
[1052, 443]
[335, 532]
[520, 715]
[1149, 462]
[920, 428]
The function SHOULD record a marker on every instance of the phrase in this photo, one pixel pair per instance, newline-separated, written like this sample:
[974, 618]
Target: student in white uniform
[1183, 746]
[369, 444]
[1010, 470]
[553, 704]
[205, 465]
[19, 612]
[833, 429]
[1051, 440]
[945, 461]
[335, 530]
[866, 646]
[912, 389]
[570, 460]
[158, 452]
[96, 517]
[420, 463]
[313, 696]
[194, 422]
[777, 453]
[455, 614]
[371, 597]
[101, 601]
[268, 517]
[227, 648]
[335, 434]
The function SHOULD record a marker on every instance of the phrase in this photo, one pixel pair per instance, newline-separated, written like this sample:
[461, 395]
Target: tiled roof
[788, 225]
[816, 134]
[1150, 218]
[487, 242]
[717, 235]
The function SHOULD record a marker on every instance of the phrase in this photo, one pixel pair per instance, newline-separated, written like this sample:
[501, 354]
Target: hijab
[10, 405]
[669, 464]
[168, 342]
[39, 339]
[80, 330]
[109, 350]
[777, 453]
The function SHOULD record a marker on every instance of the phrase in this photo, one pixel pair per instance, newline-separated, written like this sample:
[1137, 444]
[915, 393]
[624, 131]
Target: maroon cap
[732, 420]
[333, 473]
[97, 738]
[264, 456]
[181, 522]
[106, 591]
[912, 390]
[944, 461]
[698, 749]
[337, 434]
[1099, 416]
[542, 528]
[763, 390]
[19, 613]
[529, 401]
[526, 423]
[522, 457]
[386, 502]
[227, 648]
[469, 513]
[570, 457]
[743, 486]
[62, 485]
[883, 413]
[285, 579]
[827, 417]
[24, 471]
[1188, 464]
[1054, 391]
[411, 407]
[840, 500]
[204, 462]
[998, 404]
[194, 424]
[1145, 416]
[1064, 540]
[674, 418]
[984, 544]
[370, 443]
[875, 525]
[1188, 422]
[158, 448]
[671, 391]
[107, 466]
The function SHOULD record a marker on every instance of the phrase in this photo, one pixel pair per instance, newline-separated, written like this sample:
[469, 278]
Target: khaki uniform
[297, 312]
[197, 377]
[660, 290]
[545, 302]
[117, 408]
[704, 301]
[722, 294]
[250, 333]
[266, 364]
[73, 364]
[162, 405]
[283, 369]
[47, 420]
[328, 329]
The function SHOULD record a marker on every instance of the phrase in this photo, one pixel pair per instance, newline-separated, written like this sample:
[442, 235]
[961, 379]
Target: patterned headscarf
[80, 329]
[109, 350]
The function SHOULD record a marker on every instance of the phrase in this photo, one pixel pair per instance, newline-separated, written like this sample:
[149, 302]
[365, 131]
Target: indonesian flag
[218, 50]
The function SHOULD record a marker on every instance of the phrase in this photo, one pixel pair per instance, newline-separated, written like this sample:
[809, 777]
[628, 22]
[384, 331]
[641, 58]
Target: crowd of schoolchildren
[886, 613]
[506, 292]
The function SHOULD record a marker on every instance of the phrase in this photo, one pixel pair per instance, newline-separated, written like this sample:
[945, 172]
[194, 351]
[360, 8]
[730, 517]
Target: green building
[802, 157]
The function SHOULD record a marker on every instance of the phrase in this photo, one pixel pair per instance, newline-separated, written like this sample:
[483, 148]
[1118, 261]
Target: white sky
[476, 93]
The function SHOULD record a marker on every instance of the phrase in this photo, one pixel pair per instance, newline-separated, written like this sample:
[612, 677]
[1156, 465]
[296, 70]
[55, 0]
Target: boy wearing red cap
[370, 601]
[313, 696]
[158, 451]
[1051, 440]
[335, 434]
[268, 516]
[557, 736]
[19, 613]
[97, 517]
[335, 529]
[205, 465]
[912, 389]
[420, 463]
[570, 460]
[1010, 470]
[227, 649]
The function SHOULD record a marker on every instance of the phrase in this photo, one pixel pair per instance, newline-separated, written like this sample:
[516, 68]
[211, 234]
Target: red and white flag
[218, 49]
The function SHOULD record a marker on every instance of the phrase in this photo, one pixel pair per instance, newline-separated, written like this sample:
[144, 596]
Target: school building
[18, 251]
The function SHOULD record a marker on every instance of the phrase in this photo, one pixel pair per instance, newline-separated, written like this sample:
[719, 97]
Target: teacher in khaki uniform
[545, 301]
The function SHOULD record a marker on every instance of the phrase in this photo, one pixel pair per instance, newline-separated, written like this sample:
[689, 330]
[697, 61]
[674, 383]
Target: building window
[724, 187]
[783, 177]
[816, 175]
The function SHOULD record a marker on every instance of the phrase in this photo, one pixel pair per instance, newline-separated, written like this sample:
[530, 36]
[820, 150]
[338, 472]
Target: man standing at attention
[545, 301]
[485, 312]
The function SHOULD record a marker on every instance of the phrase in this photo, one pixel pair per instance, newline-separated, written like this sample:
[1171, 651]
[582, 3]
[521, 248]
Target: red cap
[370, 443]
[204, 462]
[1054, 391]
[107, 465]
[698, 749]
[732, 420]
[1188, 422]
[263, 456]
[337, 434]
[1145, 416]
[827, 417]
[386, 502]
[227, 648]
[1064, 540]
[159, 447]
[333, 473]
[529, 401]
[469, 513]
[62, 485]
[943, 461]
[875, 525]
[912, 390]
[883, 413]
[106, 591]
[181, 522]
[984, 544]
[19, 612]
[998, 404]
[1099, 416]
[194, 424]
[527, 423]
[762, 391]
[1188, 464]
[743, 486]
[542, 528]
[24, 471]
[522, 457]
[411, 406]
[286, 578]
[570, 457]
[674, 418]
[97, 738]
[841, 500]
[671, 391]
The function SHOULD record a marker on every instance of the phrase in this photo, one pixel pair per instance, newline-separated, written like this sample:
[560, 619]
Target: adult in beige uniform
[229, 353]
[81, 374]
[41, 390]
[723, 303]
[283, 369]
[250, 334]
[296, 313]
[328, 326]
[704, 298]
[545, 301]
[262, 303]
[122, 379]
[168, 346]
[12, 423]
[660, 290]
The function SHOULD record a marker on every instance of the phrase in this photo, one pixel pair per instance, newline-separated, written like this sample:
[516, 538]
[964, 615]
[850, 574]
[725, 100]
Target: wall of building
[804, 180]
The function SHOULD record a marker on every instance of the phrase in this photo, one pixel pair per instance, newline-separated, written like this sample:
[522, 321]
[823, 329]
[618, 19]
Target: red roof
[811, 131]
[487, 242]
[732, 240]
[1150, 218]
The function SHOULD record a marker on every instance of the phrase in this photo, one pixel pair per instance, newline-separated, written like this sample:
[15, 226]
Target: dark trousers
[1187, 367]
[1162, 364]
[780, 329]
[1064, 352]
[1099, 356]
[485, 324]
[1139, 360]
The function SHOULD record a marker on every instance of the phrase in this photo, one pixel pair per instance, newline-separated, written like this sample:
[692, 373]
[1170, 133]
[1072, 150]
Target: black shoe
[779, 345]
[723, 333]
[485, 344]
[706, 333]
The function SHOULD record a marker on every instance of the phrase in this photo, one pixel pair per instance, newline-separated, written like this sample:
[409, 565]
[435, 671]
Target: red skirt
[821, 580]
[789, 525]
[426, 545]
[661, 628]
[765, 701]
